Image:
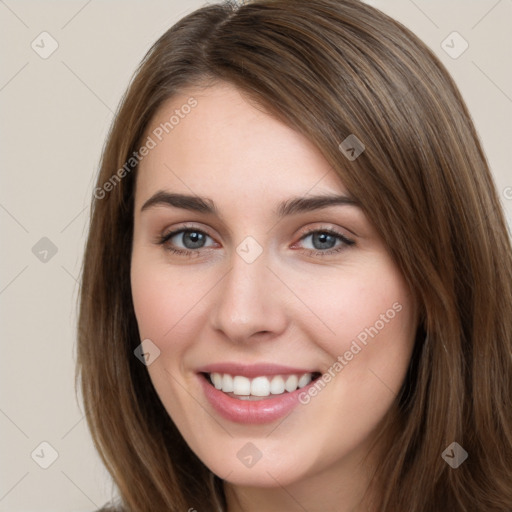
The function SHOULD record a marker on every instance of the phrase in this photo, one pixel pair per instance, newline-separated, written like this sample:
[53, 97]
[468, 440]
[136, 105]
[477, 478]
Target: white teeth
[304, 380]
[277, 385]
[259, 386]
[291, 383]
[241, 385]
[217, 380]
[227, 383]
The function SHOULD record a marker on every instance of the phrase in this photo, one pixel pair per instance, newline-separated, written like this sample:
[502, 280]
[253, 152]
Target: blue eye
[326, 241]
[185, 241]
[321, 240]
[189, 241]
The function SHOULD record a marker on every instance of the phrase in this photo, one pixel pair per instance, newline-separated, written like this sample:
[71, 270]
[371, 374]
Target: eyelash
[347, 242]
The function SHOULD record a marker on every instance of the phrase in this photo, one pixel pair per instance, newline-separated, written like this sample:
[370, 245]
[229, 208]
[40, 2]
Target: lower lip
[252, 412]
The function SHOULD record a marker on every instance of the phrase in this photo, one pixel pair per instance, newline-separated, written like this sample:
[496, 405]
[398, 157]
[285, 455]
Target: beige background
[55, 113]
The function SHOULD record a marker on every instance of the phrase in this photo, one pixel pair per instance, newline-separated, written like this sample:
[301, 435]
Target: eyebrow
[311, 203]
[195, 203]
[290, 207]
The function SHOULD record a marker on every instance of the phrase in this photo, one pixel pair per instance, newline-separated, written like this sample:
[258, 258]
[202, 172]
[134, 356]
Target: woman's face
[253, 268]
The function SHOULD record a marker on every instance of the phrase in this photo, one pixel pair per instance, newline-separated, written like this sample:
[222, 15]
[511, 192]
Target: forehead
[214, 141]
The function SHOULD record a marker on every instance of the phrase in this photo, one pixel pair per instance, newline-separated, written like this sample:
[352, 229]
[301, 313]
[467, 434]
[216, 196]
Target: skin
[293, 305]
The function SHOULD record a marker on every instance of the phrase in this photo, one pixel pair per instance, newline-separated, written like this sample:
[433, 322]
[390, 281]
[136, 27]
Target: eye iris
[193, 239]
[323, 241]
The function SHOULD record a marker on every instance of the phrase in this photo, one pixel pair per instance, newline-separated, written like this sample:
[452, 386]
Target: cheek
[166, 305]
[374, 321]
[366, 325]
[364, 304]
[162, 299]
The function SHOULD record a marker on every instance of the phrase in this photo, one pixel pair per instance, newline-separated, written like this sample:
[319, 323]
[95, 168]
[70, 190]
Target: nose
[249, 302]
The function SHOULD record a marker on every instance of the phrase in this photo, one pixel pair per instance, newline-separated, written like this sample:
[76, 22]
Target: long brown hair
[329, 69]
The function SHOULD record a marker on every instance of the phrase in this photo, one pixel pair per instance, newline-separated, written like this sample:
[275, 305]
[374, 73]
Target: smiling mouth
[258, 388]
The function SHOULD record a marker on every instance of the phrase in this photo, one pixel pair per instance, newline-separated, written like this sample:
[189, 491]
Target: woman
[297, 286]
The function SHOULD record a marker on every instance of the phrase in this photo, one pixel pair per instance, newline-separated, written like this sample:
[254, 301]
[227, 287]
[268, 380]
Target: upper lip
[253, 370]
